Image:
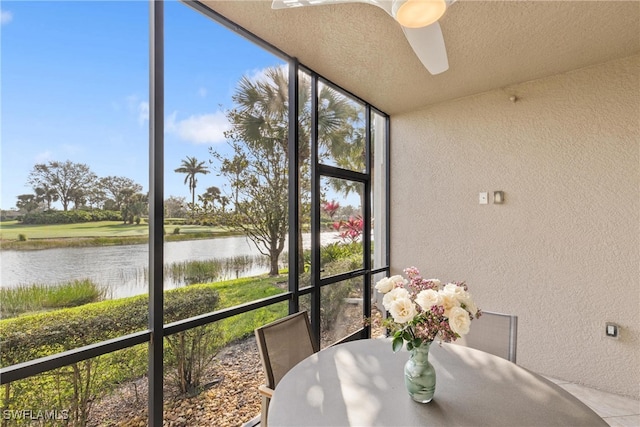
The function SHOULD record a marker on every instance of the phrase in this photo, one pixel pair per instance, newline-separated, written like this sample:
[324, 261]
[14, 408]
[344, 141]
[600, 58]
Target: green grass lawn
[9, 230]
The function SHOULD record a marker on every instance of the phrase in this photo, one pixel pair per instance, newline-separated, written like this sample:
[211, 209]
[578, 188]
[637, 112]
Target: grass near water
[38, 297]
[102, 233]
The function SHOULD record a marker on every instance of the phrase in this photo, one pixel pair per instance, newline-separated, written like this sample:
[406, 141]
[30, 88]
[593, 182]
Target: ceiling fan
[418, 19]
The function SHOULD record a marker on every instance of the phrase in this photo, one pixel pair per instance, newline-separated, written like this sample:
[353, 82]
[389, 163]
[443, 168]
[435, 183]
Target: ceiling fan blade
[428, 44]
[285, 4]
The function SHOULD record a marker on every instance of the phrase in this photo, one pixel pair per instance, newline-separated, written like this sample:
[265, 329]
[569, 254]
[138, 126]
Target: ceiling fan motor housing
[418, 13]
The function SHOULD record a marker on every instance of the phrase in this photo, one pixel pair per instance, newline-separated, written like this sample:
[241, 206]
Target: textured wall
[563, 251]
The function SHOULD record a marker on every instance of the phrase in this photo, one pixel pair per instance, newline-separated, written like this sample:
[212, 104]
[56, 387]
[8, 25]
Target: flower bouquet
[423, 309]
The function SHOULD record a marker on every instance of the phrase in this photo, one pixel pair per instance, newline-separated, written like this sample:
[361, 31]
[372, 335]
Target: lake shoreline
[79, 242]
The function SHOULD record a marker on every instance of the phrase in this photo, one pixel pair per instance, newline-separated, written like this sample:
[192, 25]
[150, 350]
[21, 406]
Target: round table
[361, 383]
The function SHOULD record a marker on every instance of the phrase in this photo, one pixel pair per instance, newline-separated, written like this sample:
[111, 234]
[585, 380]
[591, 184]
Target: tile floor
[617, 411]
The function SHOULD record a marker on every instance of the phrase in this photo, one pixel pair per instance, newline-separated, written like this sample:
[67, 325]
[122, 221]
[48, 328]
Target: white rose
[403, 310]
[398, 280]
[428, 298]
[449, 301]
[390, 297]
[384, 285]
[470, 306]
[456, 290]
[459, 320]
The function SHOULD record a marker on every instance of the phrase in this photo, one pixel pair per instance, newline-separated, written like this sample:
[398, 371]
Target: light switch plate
[484, 198]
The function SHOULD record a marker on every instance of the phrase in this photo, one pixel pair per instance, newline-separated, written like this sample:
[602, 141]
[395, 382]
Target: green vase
[419, 374]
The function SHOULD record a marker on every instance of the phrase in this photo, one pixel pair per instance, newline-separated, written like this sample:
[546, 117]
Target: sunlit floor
[618, 411]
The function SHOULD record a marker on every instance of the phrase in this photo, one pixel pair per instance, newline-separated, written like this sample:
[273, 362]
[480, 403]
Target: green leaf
[396, 344]
[409, 345]
[407, 336]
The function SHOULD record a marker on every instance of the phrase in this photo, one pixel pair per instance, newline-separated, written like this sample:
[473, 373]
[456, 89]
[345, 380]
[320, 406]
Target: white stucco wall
[563, 251]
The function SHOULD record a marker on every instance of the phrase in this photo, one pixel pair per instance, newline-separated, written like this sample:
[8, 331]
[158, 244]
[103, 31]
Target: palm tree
[260, 118]
[191, 167]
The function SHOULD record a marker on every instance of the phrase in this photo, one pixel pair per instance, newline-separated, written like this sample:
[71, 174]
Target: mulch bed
[231, 398]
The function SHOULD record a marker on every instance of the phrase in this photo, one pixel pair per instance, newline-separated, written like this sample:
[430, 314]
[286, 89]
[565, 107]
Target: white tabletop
[361, 383]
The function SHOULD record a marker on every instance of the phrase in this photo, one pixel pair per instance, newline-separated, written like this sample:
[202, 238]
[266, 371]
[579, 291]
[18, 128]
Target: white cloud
[143, 112]
[138, 108]
[200, 129]
[5, 17]
[256, 74]
[261, 73]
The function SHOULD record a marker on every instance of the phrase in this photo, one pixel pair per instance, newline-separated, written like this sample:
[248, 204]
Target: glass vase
[419, 374]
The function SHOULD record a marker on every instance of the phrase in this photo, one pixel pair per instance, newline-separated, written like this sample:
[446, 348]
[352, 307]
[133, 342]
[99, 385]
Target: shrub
[176, 230]
[337, 251]
[77, 385]
[70, 217]
[22, 237]
[336, 258]
[190, 352]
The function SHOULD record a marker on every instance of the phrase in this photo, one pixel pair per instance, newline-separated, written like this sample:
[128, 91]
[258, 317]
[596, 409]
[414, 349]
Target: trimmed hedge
[75, 387]
[28, 337]
[70, 217]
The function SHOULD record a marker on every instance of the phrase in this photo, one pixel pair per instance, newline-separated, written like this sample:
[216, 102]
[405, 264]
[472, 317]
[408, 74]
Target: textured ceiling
[490, 44]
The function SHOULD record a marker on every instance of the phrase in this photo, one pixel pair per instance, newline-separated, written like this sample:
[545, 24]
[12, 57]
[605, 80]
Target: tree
[118, 188]
[262, 210]
[133, 206]
[210, 197]
[257, 170]
[27, 203]
[97, 197]
[46, 195]
[175, 207]
[233, 168]
[191, 167]
[212, 194]
[70, 181]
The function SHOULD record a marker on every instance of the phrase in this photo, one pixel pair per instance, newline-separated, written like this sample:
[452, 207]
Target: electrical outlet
[611, 330]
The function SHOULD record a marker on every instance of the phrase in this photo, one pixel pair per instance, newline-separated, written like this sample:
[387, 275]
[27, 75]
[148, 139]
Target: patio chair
[282, 344]
[494, 333]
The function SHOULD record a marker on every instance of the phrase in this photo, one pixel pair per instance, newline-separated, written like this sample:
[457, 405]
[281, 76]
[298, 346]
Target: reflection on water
[123, 269]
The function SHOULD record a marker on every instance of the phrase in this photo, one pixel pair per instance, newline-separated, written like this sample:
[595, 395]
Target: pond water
[122, 269]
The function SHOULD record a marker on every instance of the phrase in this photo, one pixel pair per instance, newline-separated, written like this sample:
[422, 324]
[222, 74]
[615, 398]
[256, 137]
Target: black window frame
[157, 330]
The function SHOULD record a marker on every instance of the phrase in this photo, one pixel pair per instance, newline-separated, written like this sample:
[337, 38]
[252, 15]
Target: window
[241, 231]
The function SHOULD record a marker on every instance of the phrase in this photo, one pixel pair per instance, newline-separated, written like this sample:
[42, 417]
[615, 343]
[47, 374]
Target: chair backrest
[495, 333]
[284, 343]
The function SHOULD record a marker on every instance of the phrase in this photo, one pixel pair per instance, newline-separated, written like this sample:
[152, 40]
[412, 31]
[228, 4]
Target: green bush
[71, 217]
[336, 258]
[22, 237]
[189, 353]
[176, 230]
[175, 221]
[74, 387]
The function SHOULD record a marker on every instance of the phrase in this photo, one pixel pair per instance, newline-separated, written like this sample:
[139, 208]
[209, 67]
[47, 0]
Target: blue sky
[74, 86]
